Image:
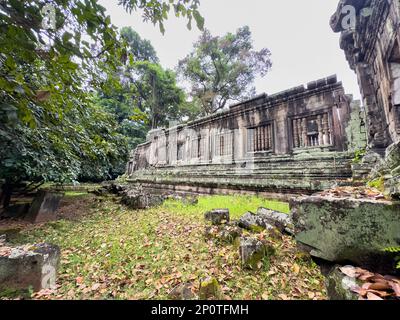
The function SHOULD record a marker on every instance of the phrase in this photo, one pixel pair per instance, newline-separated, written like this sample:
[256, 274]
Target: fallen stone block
[254, 222]
[138, 200]
[28, 267]
[348, 230]
[281, 221]
[183, 291]
[228, 233]
[217, 216]
[210, 289]
[339, 286]
[44, 207]
[252, 251]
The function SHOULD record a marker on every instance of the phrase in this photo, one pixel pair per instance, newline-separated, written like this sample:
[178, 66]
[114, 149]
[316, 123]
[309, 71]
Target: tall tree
[141, 49]
[222, 69]
[53, 53]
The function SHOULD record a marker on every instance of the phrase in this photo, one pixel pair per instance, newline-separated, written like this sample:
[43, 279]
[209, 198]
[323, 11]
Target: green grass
[237, 205]
[72, 194]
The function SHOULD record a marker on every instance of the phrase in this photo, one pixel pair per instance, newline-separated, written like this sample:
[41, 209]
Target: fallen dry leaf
[349, 271]
[79, 280]
[372, 296]
[396, 288]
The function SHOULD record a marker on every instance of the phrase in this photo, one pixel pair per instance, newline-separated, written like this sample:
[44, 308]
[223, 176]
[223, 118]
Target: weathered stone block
[339, 286]
[135, 199]
[252, 251]
[281, 221]
[210, 289]
[183, 291]
[254, 222]
[22, 268]
[217, 216]
[227, 233]
[44, 207]
[345, 229]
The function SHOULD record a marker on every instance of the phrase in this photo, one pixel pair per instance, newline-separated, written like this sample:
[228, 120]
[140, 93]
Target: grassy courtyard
[111, 252]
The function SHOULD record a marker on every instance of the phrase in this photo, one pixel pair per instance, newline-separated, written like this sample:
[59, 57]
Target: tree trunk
[6, 194]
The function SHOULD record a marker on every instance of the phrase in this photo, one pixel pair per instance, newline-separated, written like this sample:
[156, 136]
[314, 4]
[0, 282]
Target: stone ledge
[28, 267]
[345, 229]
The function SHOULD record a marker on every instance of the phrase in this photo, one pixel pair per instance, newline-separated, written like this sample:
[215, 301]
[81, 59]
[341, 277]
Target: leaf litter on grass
[116, 253]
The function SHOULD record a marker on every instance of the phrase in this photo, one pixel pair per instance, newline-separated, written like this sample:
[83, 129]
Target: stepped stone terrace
[296, 141]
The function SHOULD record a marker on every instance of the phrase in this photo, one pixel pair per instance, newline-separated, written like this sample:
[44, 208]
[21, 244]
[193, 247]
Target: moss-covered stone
[223, 234]
[210, 289]
[253, 251]
[344, 229]
[339, 286]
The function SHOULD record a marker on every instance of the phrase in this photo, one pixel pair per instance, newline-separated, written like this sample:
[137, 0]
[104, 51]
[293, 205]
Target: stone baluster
[270, 137]
[296, 138]
[326, 130]
[304, 132]
[320, 132]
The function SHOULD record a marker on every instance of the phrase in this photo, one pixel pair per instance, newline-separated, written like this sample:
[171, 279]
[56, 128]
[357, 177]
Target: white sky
[303, 46]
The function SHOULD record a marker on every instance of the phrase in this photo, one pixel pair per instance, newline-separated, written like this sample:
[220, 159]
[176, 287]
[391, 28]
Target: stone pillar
[326, 129]
[296, 138]
[263, 144]
[304, 132]
[320, 131]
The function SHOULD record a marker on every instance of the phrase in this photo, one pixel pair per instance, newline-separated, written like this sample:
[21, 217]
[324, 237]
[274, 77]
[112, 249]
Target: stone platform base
[275, 177]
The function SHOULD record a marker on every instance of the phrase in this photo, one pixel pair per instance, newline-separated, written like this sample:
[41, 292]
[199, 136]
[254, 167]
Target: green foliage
[394, 250]
[377, 184]
[222, 69]
[84, 144]
[141, 49]
[157, 11]
[50, 130]
[359, 155]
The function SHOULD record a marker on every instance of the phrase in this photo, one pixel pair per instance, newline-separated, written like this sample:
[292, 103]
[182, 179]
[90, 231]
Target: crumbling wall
[372, 47]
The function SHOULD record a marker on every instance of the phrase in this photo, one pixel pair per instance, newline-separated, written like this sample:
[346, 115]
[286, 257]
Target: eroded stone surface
[344, 229]
[217, 216]
[34, 266]
[252, 251]
[226, 233]
[183, 291]
[210, 289]
[254, 222]
[339, 286]
[137, 199]
[44, 207]
[279, 220]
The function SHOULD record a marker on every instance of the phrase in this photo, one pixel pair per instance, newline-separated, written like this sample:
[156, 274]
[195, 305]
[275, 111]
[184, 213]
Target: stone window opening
[313, 133]
[155, 142]
[309, 132]
[180, 149]
[197, 147]
[223, 143]
[260, 138]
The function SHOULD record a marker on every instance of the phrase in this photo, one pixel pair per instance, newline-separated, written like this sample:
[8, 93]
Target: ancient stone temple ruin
[372, 47]
[355, 229]
[299, 140]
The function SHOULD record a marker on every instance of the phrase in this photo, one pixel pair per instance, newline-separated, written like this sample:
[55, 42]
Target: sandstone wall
[299, 140]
